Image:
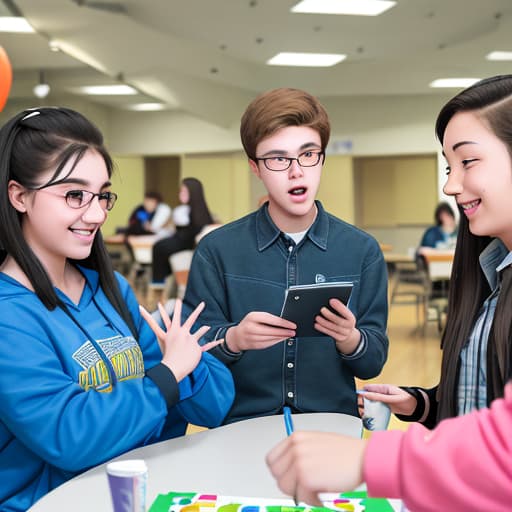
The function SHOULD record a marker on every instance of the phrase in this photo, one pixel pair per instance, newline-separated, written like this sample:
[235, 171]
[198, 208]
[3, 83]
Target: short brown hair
[279, 108]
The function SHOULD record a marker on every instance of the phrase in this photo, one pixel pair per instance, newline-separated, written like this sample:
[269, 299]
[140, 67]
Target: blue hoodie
[59, 412]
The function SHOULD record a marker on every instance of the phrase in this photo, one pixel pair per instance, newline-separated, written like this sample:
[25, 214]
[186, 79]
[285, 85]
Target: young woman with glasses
[83, 378]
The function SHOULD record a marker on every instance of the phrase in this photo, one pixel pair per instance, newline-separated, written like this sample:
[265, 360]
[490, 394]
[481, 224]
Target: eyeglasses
[81, 198]
[282, 163]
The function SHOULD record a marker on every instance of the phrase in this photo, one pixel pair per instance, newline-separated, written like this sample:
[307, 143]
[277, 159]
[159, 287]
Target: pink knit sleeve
[463, 464]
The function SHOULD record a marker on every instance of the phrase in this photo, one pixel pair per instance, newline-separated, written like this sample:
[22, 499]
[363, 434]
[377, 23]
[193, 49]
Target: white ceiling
[207, 57]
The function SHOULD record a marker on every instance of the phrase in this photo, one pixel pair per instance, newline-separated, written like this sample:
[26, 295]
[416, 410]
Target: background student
[189, 218]
[443, 234]
[83, 378]
[152, 217]
[241, 271]
[464, 463]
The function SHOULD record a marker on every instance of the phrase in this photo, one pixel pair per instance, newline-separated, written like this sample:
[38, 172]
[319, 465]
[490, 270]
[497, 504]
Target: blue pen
[288, 423]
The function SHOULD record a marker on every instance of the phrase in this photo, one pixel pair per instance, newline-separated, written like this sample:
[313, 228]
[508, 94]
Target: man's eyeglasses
[81, 198]
[282, 163]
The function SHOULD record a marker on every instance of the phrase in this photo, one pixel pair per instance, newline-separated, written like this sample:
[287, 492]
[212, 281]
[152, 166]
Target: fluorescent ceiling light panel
[498, 55]
[147, 107]
[355, 7]
[306, 59]
[15, 24]
[108, 90]
[454, 82]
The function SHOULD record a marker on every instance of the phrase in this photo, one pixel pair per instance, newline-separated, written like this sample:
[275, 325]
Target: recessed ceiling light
[146, 107]
[306, 59]
[356, 7]
[499, 55]
[454, 82]
[108, 90]
[15, 24]
[54, 46]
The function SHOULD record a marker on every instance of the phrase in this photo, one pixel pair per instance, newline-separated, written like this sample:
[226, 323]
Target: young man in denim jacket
[242, 270]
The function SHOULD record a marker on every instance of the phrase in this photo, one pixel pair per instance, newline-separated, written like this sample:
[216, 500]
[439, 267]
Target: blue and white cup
[128, 480]
[376, 414]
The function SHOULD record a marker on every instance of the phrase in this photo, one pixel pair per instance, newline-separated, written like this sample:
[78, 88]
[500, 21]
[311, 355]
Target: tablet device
[303, 303]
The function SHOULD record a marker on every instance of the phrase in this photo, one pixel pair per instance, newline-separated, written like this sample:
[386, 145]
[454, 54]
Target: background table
[228, 460]
[439, 263]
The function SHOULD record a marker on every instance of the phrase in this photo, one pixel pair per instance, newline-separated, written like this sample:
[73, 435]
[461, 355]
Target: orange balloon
[5, 77]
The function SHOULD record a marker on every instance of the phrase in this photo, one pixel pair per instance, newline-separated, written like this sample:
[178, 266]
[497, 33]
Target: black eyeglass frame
[320, 155]
[107, 196]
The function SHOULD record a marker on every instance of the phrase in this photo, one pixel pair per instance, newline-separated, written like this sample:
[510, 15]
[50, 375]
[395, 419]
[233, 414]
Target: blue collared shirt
[472, 389]
[246, 266]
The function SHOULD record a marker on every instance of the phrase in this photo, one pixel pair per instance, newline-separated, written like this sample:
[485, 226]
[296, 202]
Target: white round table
[228, 460]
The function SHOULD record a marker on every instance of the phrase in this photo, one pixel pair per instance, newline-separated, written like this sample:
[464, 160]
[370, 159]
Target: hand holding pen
[309, 463]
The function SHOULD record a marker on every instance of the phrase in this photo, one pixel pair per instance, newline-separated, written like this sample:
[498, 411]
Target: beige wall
[396, 191]
[225, 178]
[128, 183]
[337, 187]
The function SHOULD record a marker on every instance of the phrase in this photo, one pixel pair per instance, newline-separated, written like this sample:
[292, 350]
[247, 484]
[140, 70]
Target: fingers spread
[150, 320]
[190, 321]
[201, 332]
[210, 345]
[165, 317]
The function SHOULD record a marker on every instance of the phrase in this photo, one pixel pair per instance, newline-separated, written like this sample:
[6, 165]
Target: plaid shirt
[472, 391]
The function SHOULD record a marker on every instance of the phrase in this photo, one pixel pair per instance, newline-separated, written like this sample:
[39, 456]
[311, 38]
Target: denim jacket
[246, 266]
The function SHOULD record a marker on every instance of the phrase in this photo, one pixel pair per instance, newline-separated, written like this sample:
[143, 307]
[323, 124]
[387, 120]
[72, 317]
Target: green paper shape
[164, 501]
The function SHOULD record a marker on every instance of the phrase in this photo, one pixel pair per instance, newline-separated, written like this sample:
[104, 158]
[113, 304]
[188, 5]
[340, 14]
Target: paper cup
[376, 415]
[127, 480]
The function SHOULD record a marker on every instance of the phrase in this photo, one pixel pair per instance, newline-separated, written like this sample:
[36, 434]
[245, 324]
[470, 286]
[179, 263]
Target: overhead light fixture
[42, 89]
[349, 7]
[454, 82]
[146, 107]
[54, 45]
[15, 24]
[109, 90]
[306, 59]
[499, 55]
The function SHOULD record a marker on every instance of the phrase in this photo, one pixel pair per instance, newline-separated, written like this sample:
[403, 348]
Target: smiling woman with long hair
[83, 377]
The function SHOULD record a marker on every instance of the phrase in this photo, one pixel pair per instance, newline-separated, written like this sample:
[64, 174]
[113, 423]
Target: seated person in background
[242, 269]
[189, 219]
[444, 234]
[152, 217]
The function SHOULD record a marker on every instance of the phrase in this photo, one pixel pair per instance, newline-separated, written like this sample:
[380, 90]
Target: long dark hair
[491, 100]
[441, 208]
[32, 143]
[199, 213]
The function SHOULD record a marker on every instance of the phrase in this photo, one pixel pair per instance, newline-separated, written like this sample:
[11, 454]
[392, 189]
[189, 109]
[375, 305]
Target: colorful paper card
[201, 502]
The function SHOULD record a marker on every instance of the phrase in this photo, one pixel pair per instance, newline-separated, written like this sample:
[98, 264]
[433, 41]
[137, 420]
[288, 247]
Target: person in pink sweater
[465, 462]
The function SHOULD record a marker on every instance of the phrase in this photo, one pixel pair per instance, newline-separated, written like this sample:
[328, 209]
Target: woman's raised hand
[180, 347]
